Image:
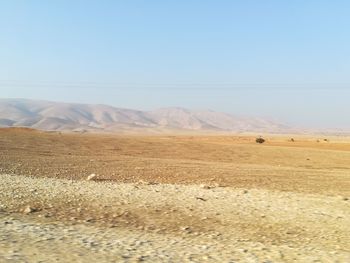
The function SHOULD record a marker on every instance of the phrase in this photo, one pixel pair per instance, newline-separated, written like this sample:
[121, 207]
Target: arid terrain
[172, 198]
[59, 116]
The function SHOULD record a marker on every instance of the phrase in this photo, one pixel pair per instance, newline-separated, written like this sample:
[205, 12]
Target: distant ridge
[58, 116]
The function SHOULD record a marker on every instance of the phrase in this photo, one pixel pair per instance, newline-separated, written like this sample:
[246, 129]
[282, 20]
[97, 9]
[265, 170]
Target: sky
[284, 60]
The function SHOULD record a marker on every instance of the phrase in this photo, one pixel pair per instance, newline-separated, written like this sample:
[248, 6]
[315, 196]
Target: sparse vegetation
[183, 172]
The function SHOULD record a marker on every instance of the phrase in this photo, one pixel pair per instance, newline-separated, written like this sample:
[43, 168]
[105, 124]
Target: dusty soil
[78, 221]
[302, 166]
[277, 202]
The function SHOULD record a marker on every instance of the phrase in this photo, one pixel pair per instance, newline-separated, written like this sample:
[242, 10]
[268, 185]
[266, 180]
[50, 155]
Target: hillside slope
[47, 115]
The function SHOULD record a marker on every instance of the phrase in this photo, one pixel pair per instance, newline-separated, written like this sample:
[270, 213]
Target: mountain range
[58, 116]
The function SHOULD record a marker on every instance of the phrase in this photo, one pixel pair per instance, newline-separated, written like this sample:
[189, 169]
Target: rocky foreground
[59, 220]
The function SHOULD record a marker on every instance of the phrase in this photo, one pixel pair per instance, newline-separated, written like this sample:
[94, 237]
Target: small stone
[186, 229]
[91, 177]
[141, 258]
[28, 209]
[204, 186]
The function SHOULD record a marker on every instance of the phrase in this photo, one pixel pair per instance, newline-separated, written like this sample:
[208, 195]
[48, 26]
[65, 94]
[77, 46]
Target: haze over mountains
[46, 115]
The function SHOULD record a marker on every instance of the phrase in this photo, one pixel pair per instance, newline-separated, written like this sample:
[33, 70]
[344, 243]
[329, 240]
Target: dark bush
[259, 140]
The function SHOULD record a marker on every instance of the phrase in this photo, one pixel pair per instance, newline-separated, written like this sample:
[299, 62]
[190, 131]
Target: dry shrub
[259, 140]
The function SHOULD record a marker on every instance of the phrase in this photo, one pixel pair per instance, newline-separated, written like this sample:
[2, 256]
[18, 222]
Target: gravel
[85, 221]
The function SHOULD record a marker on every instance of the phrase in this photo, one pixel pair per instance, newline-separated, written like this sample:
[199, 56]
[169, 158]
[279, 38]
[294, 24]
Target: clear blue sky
[288, 60]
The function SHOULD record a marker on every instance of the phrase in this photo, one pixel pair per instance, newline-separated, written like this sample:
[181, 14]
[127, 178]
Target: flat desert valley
[173, 198]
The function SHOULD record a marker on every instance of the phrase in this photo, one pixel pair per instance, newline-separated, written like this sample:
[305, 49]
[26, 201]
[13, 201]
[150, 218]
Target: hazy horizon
[288, 61]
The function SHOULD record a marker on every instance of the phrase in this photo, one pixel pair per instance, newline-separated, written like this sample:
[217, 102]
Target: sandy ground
[173, 198]
[77, 221]
[301, 166]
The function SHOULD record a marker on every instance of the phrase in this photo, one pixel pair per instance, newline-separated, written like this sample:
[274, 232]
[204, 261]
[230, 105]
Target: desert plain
[173, 198]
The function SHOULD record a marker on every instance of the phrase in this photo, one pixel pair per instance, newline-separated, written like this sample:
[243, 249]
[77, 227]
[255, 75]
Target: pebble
[91, 177]
[108, 244]
[28, 209]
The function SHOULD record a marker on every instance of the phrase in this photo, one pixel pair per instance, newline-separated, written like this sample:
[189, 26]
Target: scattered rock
[186, 229]
[141, 258]
[28, 209]
[92, 177]
[204, 186]
[142, 182]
